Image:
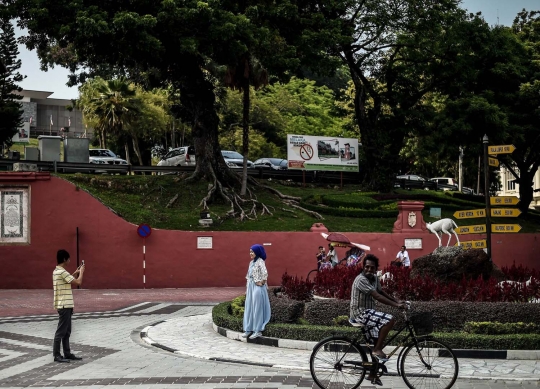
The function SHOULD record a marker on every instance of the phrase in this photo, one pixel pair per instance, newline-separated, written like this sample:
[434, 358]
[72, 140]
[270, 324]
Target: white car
[105, 156]
[180, 156]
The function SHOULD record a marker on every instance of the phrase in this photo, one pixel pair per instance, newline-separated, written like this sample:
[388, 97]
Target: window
[511, 185]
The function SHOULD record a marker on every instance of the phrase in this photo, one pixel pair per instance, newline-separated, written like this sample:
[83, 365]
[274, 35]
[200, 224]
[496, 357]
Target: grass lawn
[144, 199]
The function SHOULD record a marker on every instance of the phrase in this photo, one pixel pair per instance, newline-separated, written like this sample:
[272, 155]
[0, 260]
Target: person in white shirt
[403, 257]
[332, 254]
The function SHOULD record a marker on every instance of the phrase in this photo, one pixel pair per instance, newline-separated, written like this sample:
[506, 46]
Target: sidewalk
[194, 336]
[39, 301]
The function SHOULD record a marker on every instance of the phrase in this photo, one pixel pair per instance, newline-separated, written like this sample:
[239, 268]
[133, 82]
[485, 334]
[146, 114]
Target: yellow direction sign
[501, 149]
[493, 162]
[470, 214]
[504, 200]
[505, 228]
[505, 212]
[476, 229]
[473, 244]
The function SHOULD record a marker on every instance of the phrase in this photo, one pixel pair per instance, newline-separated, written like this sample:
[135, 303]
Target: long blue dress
[257, 306]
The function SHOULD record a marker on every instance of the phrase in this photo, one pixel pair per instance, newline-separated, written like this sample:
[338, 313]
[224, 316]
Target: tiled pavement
[114, 355]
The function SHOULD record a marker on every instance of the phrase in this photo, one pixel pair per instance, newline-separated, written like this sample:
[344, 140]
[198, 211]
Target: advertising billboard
[307, 152]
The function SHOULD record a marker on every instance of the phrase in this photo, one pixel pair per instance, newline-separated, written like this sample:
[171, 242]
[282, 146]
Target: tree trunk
[126, 147]
[526, 191]
[136, 148]
[245, 132]
[198, 100]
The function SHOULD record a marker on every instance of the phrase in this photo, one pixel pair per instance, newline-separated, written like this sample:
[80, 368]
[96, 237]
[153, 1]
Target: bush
[323, 312]
[342, 321]
[350, 212]
[285, 310]
[497, 328]
[336, 282]
[222, 318]
[296, 288]
[237, 306]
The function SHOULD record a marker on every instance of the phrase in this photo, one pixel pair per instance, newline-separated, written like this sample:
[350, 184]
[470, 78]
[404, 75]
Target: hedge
[497, 328]
[348, 212]
[222, 318]
[447, 315]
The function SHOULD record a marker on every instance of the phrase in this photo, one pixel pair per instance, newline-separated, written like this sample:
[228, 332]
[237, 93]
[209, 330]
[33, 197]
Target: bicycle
[340, 362]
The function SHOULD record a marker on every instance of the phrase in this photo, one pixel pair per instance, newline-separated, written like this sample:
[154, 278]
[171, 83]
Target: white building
[510, 187]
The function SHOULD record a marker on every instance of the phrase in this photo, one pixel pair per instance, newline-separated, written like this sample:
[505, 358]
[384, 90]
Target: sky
[54, 80]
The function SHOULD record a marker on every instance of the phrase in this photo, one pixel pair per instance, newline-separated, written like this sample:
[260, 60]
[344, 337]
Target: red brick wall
[113, 252]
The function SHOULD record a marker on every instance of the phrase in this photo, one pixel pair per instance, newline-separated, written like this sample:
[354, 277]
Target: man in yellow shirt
[63, 302]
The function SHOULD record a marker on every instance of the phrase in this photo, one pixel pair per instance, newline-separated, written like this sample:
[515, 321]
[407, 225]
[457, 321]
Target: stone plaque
[204, 242]
[14, 215]
[413, 243]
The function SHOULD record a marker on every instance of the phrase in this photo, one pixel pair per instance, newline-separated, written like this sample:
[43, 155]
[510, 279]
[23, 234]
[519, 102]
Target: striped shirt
[361, 298]
[63, 297]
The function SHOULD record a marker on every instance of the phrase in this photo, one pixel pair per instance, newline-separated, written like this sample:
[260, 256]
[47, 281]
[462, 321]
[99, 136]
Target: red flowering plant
[296, 288]
[336, 282]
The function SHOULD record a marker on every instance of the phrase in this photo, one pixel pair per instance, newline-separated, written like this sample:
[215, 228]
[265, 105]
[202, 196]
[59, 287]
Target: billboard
[306, 152]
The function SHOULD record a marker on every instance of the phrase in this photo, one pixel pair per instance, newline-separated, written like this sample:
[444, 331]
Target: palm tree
[110, 106]
[248, 72]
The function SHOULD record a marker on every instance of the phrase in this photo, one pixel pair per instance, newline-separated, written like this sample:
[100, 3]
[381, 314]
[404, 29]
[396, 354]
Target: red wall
[113, 252]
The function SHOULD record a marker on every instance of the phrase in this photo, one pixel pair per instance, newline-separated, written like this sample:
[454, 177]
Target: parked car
[413, 181]
[180, 156]
[105, 156]
[271, 163]
[468, 191]
[445, 183]
[234, 159]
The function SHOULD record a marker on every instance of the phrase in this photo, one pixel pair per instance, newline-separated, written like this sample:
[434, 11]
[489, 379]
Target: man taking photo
[63, 303]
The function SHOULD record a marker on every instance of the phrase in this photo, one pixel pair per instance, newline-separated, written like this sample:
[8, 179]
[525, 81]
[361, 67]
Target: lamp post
[485, 141]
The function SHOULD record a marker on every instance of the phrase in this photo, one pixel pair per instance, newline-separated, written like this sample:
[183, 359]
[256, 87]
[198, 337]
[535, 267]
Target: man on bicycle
[366, 289]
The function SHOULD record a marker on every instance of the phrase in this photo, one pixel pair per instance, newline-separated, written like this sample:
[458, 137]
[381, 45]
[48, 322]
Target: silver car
[235, 160]
[180, 156]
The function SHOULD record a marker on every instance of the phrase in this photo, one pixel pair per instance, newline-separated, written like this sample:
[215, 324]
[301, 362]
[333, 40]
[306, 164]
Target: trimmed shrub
[323, 312]
[285, 310]
[497, 328]
[447, 315]
[350, 212]
[237, 306]
[222, 318]
[342, 321]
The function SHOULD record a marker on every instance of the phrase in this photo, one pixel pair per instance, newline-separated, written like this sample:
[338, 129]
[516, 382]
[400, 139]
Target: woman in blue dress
[257, 306]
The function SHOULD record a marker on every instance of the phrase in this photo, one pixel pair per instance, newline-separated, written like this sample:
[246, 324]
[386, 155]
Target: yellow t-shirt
[63, 297]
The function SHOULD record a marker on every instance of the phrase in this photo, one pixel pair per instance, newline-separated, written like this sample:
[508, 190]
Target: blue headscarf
[259, 252]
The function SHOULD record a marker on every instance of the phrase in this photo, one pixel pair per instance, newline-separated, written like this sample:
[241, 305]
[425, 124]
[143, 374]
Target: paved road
[114, 356]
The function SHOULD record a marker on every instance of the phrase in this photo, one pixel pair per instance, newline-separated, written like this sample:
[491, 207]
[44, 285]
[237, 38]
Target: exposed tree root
[312, 213]
[172, 201]
[281, 195]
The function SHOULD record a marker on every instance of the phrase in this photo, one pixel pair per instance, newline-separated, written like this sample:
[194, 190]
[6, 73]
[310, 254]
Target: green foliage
[221, 317]
[341, 321]
[237, 306]
[497, 328]
[10, 108]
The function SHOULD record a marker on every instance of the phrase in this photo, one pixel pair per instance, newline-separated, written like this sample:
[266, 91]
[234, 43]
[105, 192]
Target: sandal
[382, 358]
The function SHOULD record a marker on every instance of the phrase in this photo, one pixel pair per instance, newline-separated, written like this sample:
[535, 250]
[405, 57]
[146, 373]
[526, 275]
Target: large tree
[10, 108]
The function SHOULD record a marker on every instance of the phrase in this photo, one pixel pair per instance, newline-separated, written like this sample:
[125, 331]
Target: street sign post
[504, 200]
[144, 231]
[505, 228]
[476, 229]
[505, 212]
[473, 244]
[470, 214]
[493, 162]
[501, 149]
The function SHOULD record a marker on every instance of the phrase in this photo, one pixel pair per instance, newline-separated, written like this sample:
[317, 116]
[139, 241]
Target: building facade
[43, 115]
[510, 187]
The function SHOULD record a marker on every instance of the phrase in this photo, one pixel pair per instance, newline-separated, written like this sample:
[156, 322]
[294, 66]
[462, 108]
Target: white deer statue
[443, 225]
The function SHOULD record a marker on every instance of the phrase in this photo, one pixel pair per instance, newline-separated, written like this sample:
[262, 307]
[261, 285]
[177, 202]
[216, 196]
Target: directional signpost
[501, 149]
[476, 229]
[144, 231]
[493, 162]
[505, 228]
[504, 200]
[473, 244]
[470, 214]
[505, 212]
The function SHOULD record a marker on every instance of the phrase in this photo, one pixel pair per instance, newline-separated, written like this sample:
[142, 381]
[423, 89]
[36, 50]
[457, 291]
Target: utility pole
[460, 169]
[485, 140]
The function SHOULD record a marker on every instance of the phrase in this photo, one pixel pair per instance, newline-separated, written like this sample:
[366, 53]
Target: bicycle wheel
[433, 365]
[337, 363]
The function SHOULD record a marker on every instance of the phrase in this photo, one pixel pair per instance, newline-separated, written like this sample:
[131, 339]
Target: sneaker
[255, 335]
[246, 334]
